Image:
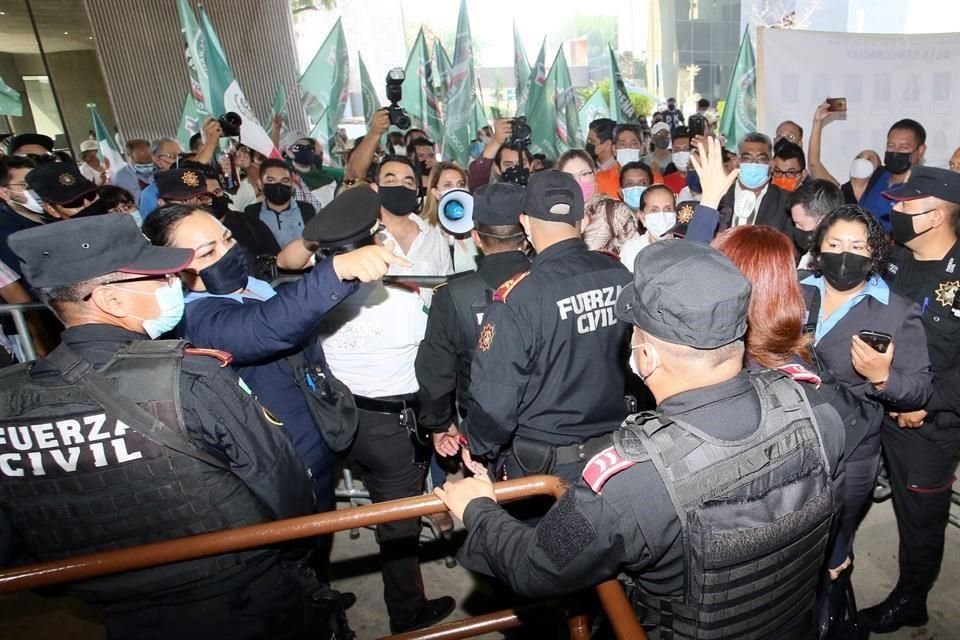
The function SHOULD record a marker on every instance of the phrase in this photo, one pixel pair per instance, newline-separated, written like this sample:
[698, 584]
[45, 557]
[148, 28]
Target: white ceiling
[62, 24]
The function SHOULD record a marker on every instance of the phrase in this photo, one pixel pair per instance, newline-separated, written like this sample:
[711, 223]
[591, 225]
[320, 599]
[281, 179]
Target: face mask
[422, 167]
[861, 168]
[753, 175]
[903, 229]
[588, 189]
[228, 274]
[633, 364]
[31, 202]
[303, 156]
[844, 270]
[591, 149]
[276, 193]
[221, 205]
[144, 169]
[632, 196]
[399, 201]
[787, 184]
[681, 160]
[661, 143]
[896, 162]
[476, 148]
[170, 300]
[693, 181]
[399, 150]
[135, 214]
[625, 156]
[803, 239]
[660, 222]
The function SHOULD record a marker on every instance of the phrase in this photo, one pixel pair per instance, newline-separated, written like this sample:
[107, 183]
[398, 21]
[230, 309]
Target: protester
[810, 204]
[607, 223]
[90, 166]
[19, 209]
[752, 199]
[137, 175]
[635, 177]
[656, 217]
[165, 153]
[675, 173]
[789, 166]
[601, 149]
[285, 216]
[501, 159]
[864, 164]
[250, 189]
[790, 131]
[118, 200]
[316, 184]
[444, 177]
[628, 148]
[660, 156]
[672, 116]
[423, 154]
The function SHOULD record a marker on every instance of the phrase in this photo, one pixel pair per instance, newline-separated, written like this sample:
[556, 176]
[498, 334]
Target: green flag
[326, 84]
[194, 51]
[595, 107]
[10, 104]
[369, 94]
[461, 96]
[479, 112]
[521, 69]
[279, 108]
[565, 103]
[442, 67]
[621, 108]
[109, 154]
[190, 122]
[419, 96]
[539, 108]
[740, 109]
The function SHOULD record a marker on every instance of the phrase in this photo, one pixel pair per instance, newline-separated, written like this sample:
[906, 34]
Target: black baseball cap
[927, 181]
[77, 250]
[349, 219]
[60, 183]
[553, 196]
[686, 293]
[30, 138]
[498, 203]
[181, 184]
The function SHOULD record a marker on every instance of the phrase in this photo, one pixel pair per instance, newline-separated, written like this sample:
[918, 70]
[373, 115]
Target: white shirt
[429, 253]
[325, 194]
[370, 340]
[93, 175]
[737, 190]
[245, 196]
[633, 246]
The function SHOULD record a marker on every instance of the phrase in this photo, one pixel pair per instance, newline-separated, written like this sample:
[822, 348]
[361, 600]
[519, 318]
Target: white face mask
[399, 150]
[135, 214]
[31, 202]
[861, 168]
[681, 160]
[625, 156]
[633, 360]
[660, 222]
[170, 301]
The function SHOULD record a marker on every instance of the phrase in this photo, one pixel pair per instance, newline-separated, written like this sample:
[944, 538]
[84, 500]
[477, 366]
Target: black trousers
[384, 452]
[921, 466]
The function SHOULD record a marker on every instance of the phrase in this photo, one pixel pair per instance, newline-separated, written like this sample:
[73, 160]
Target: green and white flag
[441, 70]
[368, 92]
[326, 84]
[565, 104]
[279, 108]
[521, 69]
[109, 154]
[419, 95]
[621, 108]
[540, 110]
[740, 109]
[195, 53]
[595, 107]
[479, 112]
[10, 103]
[190, 122]
[462, 95]
[225, 93]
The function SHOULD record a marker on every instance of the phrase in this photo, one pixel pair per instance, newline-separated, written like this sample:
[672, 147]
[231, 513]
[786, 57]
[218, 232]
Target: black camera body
[398, 117]
[230, 124]
[521, 132]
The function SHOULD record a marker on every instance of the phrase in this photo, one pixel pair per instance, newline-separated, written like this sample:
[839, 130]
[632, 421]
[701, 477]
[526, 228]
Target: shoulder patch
[412, 288]
[486, 337]
[800, 374]
[604, 466]
[500, 295]
[224, 357]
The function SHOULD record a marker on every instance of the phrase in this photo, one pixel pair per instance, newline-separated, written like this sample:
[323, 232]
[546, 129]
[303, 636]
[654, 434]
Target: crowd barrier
[612, 597]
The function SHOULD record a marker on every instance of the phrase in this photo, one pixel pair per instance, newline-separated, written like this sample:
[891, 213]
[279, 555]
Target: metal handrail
[20, 322]
[45, 574]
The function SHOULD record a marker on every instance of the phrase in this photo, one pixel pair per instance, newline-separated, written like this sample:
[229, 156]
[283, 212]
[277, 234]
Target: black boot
[432, 612]
[902, 608]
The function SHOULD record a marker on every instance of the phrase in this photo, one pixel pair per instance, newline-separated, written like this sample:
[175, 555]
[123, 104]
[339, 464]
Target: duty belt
[388, 404]
[562, 454]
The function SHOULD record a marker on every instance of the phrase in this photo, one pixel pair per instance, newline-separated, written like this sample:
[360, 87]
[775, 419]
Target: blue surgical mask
[632, 195]
[693, 181]
[144, 169]
[170, 300]
[754, 175]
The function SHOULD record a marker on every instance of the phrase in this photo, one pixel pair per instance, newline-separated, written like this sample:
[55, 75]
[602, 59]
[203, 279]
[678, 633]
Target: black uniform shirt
[631, 525]
[550, 360]
[437, 355]
[935, 286]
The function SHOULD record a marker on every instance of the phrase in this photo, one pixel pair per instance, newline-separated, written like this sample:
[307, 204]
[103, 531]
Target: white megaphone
[455, 212]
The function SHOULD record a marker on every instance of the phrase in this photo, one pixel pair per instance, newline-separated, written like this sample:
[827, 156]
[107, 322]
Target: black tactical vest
[74, 479]
[754, 514]
[471, 295]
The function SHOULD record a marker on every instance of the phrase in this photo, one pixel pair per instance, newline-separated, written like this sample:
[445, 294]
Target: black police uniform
[548, 377]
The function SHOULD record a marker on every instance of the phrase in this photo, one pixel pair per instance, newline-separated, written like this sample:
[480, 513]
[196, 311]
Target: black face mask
[278, 194]
[516, 175]
[903, 230]
[591, 149]
[896, 162]
[661, 143]
[220, 206]
[303, 156]
[228, 274]
[844, 270]
[803, 239]
[399, 201]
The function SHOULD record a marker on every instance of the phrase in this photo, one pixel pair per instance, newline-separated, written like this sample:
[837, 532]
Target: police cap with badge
[181, 184]
[347, 223]
[553, 196]
[61, 183]
[686, 293]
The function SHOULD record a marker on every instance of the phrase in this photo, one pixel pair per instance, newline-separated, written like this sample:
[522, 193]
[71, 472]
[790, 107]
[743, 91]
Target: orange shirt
[608, 181]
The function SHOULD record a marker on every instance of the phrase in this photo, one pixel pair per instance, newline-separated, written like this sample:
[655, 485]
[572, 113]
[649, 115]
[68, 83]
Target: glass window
[43, 107]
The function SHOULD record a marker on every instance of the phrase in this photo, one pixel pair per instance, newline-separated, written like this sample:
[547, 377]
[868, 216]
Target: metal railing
[618, 609]
[16, 311]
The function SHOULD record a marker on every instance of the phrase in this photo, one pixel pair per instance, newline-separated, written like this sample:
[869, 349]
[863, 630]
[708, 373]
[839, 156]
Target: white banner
[883, 77]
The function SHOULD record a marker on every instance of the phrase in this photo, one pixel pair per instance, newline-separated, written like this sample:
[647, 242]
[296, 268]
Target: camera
[521, 132]
[398, 117]
[230, 124]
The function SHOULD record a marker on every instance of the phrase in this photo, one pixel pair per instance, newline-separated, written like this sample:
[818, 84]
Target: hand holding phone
[837, 105]
[877, 340]
[871, 353]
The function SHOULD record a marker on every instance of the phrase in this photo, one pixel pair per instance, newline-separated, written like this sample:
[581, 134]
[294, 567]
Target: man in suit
[753, 199]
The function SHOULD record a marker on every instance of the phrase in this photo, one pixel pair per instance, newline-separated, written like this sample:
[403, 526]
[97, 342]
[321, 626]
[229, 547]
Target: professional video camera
[230, 124]
[398, 117]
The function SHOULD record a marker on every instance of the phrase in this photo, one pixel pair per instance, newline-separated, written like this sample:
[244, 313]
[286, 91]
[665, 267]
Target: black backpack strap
[813, 315]
[77, 371]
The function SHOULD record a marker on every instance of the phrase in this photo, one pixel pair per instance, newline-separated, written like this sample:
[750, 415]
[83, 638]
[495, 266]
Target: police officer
[63, 191]
[547, 380]
[920, 445]
[113, 441]
[453, 326]
[731, 475]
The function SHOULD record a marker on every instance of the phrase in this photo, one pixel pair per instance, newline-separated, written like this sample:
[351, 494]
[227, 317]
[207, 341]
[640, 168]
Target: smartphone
[697, 125]
[837, 105]
[879, 341]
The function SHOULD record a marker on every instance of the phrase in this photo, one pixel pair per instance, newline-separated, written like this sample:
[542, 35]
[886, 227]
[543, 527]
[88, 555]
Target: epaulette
[604, 466]
[404, 285]
[224, 357]
[800, 374]
[500, 295]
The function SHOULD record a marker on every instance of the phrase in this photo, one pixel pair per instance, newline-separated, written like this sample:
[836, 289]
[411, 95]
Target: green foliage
[644, 105]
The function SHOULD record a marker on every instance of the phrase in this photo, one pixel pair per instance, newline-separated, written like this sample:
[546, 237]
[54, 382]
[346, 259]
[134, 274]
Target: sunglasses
[80, 201]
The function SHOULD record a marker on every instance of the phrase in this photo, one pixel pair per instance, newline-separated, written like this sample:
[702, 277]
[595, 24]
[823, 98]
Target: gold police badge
[191, 179]
[67, 180]
[685, 214]
[486, 337]
[947, 291]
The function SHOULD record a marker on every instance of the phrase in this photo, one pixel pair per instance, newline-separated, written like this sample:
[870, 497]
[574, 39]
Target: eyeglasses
[168, 277]
[789, 173]
[583, 176]
[788, 136]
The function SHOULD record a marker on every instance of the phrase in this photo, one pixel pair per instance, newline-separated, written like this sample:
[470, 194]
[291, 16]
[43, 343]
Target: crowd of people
[716, 344]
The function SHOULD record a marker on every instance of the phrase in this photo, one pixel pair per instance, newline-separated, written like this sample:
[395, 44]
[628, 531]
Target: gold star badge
[947, 291]
[685, 214]
[67, 180]
[191, 179]
[486, 337]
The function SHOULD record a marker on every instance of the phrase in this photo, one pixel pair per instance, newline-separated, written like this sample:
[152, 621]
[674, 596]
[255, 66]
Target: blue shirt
[873, 201]
[148, 201]
[286, 226]
[127, 178]
[875, 288]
